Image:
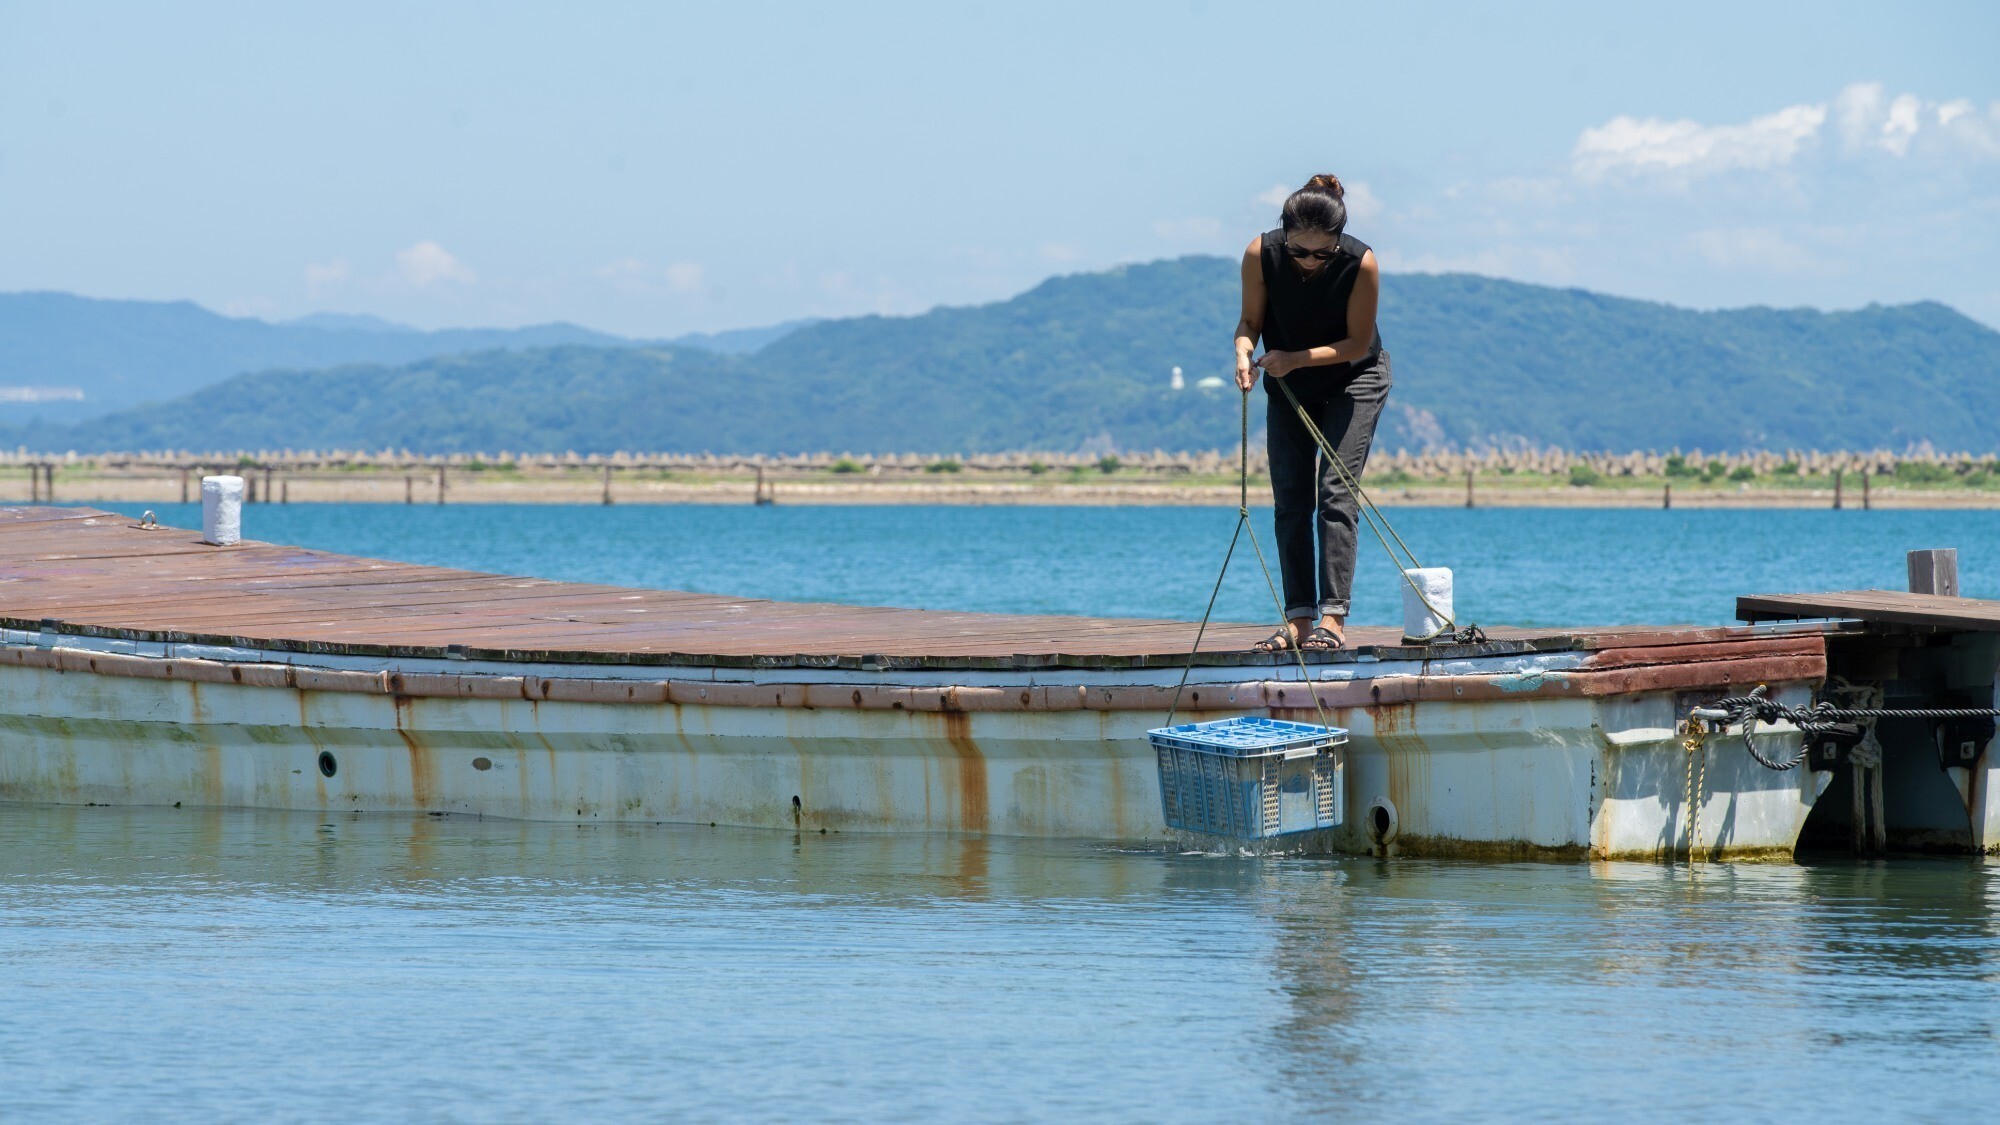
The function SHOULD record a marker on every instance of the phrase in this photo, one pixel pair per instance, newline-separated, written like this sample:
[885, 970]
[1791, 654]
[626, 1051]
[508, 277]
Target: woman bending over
[1310, 291]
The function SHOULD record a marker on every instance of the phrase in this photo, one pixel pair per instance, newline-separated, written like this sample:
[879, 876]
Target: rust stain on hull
[1391, 719]
[305, 728]
[423, 770]
[972, 795]
[211, 751]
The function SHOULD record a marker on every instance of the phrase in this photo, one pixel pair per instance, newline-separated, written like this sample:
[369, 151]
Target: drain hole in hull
[327, 766]
[1382, 822]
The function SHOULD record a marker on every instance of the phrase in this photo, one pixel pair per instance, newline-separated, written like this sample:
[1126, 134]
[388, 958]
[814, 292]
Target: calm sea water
[1512, 567]
[200, 965]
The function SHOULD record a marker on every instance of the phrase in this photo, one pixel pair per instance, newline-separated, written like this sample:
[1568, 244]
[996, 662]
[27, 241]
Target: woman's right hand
[1246, 372]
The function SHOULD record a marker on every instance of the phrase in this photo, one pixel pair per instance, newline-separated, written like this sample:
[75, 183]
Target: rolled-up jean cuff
[1294, 612]
[1333, 609]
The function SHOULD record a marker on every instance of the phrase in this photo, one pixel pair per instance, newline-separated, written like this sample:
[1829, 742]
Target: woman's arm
[1360, 328]
[1250, 325]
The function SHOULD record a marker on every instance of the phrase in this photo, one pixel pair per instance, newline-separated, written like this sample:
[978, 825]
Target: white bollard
[1418, 620]
[221, 510]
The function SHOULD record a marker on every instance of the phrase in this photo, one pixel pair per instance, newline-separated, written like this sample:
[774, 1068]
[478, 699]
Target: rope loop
[1819, 717]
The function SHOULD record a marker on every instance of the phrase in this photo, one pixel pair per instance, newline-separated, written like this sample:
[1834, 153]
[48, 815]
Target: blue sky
[654, 168]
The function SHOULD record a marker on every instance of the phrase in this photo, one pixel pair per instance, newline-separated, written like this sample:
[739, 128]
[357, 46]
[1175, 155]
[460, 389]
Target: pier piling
[1934, 571]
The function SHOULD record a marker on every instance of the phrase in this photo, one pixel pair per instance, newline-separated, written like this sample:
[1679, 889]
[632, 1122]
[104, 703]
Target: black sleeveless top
[1311, 312]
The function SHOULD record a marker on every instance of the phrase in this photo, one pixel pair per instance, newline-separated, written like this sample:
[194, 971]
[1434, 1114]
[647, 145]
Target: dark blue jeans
[1308, 496]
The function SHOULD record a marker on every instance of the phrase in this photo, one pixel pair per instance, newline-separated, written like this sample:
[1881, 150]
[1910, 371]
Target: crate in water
[1250, 778]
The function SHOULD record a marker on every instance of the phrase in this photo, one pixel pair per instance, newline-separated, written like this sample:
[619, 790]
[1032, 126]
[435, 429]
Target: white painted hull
[1531, 776]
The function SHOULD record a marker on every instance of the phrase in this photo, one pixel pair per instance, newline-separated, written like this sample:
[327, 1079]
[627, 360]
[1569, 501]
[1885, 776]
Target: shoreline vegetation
[1524, 478]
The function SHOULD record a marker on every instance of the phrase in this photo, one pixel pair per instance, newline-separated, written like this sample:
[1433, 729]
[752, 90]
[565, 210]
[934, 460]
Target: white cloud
[325, 275]
[1059, 252]
[1274, 196]
[1757, 208]
[1632, 144]
[1363, 205]
[427, 263]
[1868, 119]
[1865, 117]
[1901, 125]
[624, 269]
[685, 277]
[1972, 131]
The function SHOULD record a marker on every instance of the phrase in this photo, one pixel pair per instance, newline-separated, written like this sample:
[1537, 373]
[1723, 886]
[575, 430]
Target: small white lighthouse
[1177, 383]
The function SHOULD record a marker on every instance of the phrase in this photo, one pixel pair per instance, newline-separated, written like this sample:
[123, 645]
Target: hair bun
[1327, 182]
[1317, 206]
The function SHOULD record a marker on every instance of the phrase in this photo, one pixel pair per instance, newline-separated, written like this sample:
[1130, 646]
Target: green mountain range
[119, 354]
[1084, 361]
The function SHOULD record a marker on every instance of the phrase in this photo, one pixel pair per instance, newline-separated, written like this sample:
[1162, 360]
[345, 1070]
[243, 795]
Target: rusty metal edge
[1601, 643]
[1247, 696]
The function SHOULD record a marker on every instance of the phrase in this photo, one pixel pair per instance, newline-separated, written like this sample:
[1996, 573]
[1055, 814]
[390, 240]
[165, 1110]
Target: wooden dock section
[1876, 607]
[141, 666]
[83, 572]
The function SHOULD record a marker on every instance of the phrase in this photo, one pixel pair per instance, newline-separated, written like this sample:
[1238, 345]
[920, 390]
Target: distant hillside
[739, 341]
[122, 353]
[1083, 361]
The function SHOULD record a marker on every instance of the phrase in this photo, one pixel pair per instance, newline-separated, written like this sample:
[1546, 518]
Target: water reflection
[319, 966]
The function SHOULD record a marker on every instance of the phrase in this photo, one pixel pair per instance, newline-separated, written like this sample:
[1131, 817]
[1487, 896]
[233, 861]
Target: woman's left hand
[1280, 364]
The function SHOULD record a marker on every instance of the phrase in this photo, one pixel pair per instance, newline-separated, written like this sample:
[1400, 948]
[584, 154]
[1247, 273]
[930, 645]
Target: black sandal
[1322, 639]
[1280, 641]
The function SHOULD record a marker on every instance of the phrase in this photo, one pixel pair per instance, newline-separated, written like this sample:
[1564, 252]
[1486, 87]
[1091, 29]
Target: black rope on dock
[1816, 720]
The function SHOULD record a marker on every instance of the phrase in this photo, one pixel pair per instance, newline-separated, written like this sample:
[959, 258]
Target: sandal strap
[1279, 641]
[1328, 638]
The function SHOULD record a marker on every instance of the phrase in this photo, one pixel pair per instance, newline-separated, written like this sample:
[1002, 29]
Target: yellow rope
[1695, 785]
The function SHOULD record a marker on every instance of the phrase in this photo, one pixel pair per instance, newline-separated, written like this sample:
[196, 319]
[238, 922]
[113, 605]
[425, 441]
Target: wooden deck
[87, 572]
[1880, 607]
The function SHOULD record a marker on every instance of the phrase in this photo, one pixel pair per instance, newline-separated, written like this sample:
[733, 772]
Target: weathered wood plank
[1881, 606]
[96, 574]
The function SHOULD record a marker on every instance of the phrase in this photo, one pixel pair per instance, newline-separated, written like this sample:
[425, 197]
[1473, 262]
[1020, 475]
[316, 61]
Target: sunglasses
[1302, 253]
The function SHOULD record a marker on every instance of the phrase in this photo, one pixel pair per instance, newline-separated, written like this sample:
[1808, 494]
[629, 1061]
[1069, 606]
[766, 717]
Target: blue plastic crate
[1250, 778]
